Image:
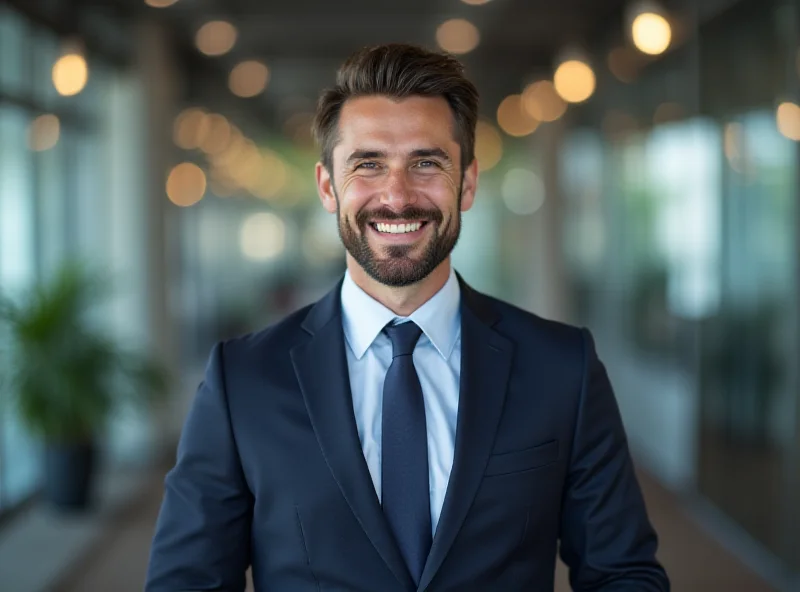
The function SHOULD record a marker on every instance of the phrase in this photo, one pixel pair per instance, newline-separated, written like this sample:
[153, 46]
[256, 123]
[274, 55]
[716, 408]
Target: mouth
[405, 231]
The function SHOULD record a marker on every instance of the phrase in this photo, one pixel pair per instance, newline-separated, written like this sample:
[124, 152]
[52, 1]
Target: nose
[398, 193]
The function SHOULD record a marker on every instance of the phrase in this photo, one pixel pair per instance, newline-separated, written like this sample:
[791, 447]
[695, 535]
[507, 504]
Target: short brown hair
[399, 71]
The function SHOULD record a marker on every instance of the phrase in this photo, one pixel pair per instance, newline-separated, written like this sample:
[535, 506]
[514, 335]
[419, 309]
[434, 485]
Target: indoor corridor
[639, 176]
[694, 561]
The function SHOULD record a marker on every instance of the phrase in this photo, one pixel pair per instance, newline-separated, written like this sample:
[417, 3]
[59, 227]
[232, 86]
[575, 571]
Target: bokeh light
[575, 81]
[788, 120]
[735, 148]
[70, 74]
[272, 178]
[513, 119]
[190, 128]
[44, 132]
[523, 191]
[541, 101]
[262, 236]
[651, 33]
[186, 184]
[623, 64]
[457, 36]
[216, 38]
[248, 79]
[488, 145]
[217, 134]
[668, 112]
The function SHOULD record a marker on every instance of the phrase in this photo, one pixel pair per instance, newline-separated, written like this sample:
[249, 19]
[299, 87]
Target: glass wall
[54, 197]
[682, 242]
[749, 346]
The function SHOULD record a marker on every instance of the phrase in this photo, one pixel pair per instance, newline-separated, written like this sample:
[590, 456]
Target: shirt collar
[364, 317]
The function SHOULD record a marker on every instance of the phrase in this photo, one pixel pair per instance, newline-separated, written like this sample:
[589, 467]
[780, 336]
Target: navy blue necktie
[404, 449]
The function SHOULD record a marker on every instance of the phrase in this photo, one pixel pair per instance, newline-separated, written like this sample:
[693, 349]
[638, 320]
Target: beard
[395, 266]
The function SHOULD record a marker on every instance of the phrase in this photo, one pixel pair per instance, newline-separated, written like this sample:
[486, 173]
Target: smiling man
[396, 181]
[405, 432]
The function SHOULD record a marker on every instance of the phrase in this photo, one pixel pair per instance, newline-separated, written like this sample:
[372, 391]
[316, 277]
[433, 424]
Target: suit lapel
[485, 366]
[321, 368]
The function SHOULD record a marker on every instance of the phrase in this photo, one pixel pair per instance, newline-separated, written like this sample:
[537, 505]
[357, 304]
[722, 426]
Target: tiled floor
[694, 561]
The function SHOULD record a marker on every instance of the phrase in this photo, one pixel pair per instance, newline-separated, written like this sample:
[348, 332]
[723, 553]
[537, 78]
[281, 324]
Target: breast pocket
[519, 461]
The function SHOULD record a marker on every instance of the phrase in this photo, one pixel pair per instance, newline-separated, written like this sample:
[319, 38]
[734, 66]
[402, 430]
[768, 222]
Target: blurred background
[639, 176]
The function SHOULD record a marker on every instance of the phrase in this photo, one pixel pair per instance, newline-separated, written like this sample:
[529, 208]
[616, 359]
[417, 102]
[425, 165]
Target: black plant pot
[69, 475]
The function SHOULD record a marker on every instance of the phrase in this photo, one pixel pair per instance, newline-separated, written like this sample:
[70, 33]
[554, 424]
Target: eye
[427, 164]
[367, 165]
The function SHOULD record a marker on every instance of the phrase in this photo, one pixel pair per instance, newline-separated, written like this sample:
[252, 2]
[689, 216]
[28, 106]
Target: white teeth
[398, 228]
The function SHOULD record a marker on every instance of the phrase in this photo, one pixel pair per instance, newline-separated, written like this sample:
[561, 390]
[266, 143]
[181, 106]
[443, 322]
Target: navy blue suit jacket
[270, 471]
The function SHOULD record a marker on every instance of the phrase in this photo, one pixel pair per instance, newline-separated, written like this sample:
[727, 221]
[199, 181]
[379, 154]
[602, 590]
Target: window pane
[20, 460]
[17, 254]
[12, 52]
[52, 185]
[44, 55]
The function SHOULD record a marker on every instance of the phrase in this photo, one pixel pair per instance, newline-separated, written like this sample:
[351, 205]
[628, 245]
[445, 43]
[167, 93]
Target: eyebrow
[364, 154]
[418, 153]
[431, 153]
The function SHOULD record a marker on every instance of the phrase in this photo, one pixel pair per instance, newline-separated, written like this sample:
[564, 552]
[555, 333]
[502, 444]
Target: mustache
[412, 213]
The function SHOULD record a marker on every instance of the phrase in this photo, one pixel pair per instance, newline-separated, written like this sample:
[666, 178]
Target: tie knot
[404, 338]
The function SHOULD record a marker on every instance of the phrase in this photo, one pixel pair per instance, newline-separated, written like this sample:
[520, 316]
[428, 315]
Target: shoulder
[271, 342]
[520, 322]
[556, 341]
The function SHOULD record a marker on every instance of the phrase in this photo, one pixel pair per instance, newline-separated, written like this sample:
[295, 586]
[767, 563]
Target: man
[405, 432]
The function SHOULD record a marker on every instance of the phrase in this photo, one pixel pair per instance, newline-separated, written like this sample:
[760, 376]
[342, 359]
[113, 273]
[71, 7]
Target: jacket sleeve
[202, 537]
[607, 540]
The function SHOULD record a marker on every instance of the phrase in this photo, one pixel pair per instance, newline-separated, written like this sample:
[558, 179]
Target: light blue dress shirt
[437, 358]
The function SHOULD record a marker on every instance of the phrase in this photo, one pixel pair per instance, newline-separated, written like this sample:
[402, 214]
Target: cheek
[440, 183]
[354, 193]
[441, 191]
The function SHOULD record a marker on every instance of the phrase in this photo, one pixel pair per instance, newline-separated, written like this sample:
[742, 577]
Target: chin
[397, 272]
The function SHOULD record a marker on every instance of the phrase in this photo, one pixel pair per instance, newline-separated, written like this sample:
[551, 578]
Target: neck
[405, 300]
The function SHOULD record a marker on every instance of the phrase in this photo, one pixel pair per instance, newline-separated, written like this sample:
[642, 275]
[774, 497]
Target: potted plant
[67, 377]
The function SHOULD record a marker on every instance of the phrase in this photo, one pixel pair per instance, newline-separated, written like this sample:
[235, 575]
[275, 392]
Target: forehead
[396, 125]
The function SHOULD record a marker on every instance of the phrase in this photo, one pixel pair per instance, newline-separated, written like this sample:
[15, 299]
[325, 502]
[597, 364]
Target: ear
[469, 186]
[325, 188]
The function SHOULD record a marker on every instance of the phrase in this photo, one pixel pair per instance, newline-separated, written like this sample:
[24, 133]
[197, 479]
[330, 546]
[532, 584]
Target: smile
[405, 228]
